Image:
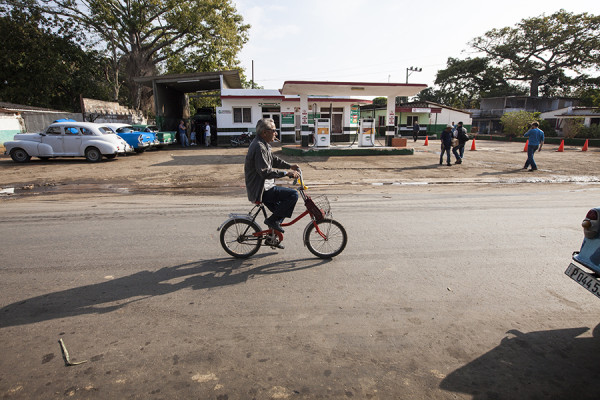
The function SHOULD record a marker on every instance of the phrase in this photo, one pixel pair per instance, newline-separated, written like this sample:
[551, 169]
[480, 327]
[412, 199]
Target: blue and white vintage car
[140, 141]
[588, 257]
[67, 139]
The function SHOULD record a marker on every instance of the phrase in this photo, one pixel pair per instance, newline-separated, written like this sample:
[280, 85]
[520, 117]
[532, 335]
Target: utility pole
[412, 69]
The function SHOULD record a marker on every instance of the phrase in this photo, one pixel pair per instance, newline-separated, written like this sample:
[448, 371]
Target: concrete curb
[295, 150]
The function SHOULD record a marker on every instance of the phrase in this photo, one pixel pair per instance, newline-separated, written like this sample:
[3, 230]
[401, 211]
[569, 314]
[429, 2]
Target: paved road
[443, 292]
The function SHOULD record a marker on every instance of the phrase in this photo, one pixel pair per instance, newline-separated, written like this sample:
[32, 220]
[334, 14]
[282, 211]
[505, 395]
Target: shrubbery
[593, 132]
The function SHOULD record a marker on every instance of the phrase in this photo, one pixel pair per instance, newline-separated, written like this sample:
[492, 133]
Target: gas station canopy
[326, 88]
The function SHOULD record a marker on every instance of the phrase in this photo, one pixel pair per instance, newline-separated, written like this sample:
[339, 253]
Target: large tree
[45, 67]
[463, 82]
[144, 34]
[542, 50]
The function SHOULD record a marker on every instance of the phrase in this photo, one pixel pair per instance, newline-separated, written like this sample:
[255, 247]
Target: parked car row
[68, 138]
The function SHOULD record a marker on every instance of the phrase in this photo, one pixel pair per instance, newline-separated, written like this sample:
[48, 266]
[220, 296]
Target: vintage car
[140, 141]
[164, 138]
[67, 139]
[588, 257]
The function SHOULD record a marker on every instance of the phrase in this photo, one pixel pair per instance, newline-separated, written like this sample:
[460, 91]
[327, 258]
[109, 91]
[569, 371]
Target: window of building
[242, 115]
[382, 120]
[411, 119]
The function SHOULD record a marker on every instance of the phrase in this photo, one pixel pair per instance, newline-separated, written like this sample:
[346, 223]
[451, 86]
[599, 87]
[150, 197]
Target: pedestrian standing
[181, 129]
[536, 140]
[416, 128]
[460, 134]
[193, 134]
[207, 134]
[446, 144]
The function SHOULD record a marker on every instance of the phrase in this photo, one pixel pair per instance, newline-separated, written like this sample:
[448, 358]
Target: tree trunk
[534, 88]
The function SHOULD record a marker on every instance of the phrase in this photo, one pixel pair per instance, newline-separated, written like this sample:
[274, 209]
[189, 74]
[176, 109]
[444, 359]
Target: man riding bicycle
[260, 176]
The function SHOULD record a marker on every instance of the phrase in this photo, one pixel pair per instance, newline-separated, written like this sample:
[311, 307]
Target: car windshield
[106, 131]
[125, 129]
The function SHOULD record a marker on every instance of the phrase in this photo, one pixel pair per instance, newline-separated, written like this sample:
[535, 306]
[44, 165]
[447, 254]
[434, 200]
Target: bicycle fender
[233, 217]
[306, 230]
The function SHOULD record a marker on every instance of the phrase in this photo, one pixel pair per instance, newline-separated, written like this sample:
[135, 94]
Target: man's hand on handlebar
[293, 174]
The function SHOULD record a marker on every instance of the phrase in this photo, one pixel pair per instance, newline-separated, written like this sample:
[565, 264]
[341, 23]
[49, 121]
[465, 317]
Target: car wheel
[110, 156]
[19, 155]
[92, 154]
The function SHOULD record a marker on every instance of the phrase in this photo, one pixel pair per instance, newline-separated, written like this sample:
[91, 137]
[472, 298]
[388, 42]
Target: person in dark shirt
[260, 176]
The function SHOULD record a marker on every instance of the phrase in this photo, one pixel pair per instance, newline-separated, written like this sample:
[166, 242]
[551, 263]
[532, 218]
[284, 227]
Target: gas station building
[322, 110]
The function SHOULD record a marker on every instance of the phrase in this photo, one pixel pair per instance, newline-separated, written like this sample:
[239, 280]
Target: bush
[592, 132]
[548, 129]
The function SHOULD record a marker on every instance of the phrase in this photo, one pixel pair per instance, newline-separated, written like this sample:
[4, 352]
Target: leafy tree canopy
[44, 69]
[463, 82]
[151, 35]
[541, 50]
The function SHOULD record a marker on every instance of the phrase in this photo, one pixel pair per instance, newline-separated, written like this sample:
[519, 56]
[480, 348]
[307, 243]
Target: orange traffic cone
[585, 145]
[561, 148]
[426, 141]
[473, 145]
[526, 145]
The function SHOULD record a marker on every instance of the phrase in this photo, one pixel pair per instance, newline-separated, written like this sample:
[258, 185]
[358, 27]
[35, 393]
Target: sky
[373, 41]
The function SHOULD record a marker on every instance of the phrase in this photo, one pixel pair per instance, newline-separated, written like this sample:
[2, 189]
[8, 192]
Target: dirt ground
[198, 170]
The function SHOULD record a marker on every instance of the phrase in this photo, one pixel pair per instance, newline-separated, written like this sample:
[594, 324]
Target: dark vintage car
[586, 270]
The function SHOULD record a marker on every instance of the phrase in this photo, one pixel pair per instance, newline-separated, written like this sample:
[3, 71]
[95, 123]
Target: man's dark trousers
[280, 201]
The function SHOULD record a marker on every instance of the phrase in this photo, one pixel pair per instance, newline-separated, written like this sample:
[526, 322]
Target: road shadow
[553, 364]
[204, 159]
[507, 172]
[420, 167]
[112, 294]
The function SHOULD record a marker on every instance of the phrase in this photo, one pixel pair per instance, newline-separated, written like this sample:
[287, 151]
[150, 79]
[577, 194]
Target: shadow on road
[113, 294]
[552, 364]
[204, 159]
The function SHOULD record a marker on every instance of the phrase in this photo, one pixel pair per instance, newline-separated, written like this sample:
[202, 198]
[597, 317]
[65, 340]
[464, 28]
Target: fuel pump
[322, 130]
[366, 132]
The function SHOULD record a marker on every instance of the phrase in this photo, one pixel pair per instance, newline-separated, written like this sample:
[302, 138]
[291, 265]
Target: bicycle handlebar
[302, 185]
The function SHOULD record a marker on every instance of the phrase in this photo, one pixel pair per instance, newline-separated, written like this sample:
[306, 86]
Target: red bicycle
[241, 236]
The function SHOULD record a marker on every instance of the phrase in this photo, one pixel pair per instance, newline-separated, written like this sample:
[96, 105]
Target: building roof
[194, 82]
[351, 88]
[276, 95]
[11, 107]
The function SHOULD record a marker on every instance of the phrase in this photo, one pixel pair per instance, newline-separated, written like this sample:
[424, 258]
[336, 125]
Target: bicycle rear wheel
[238, 240]
[333, 242]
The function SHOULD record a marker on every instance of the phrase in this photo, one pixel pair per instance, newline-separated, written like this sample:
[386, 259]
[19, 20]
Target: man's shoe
[458, 162]
[274, 225]
[278, 245]
[449, 164]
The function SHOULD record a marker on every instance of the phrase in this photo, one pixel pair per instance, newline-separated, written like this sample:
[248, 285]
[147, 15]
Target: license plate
[584, 279]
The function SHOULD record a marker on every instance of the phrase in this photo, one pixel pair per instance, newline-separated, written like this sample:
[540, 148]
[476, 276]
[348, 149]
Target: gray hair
[263, 125]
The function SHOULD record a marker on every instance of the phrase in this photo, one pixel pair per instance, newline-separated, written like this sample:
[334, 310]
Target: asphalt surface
[448, 288]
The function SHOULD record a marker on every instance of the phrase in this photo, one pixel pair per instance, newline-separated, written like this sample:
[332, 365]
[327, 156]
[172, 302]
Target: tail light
[590, 224]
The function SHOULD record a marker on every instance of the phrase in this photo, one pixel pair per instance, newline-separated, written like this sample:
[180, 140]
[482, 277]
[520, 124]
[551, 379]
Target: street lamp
[412, 69]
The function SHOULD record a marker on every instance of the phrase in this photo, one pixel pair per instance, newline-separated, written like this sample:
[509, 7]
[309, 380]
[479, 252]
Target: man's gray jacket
[259, 167]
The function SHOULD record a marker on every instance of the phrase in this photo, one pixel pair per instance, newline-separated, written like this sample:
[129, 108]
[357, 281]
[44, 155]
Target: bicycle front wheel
[238, 240]
[329, 242]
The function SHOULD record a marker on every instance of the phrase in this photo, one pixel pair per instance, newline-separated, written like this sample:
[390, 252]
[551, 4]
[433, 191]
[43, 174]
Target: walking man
[536, 140]
[416, 128]
[446, 144]
[461, 134]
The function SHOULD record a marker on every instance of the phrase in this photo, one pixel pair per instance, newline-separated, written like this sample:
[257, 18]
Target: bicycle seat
[258, 203]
